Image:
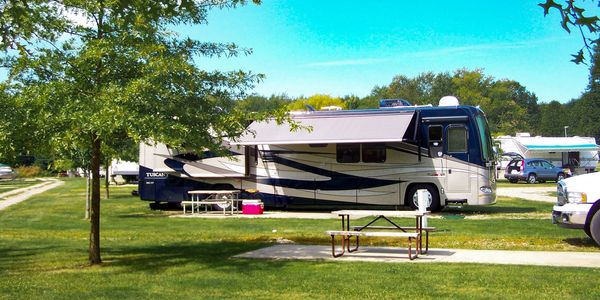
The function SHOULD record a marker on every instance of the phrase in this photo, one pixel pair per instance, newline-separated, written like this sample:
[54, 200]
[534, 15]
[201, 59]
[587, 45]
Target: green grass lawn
[148, 254]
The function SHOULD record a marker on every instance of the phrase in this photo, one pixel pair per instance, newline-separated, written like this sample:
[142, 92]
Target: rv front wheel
[433, 198]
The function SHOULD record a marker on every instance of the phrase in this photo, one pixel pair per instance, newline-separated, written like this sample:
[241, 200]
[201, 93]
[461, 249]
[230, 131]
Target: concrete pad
[265, 215]
[22, 194]
[528, 192]
[400, 255]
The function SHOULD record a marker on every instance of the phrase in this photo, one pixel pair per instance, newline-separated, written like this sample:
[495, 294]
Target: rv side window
[457, 139]
[373, 153]
[348, 153]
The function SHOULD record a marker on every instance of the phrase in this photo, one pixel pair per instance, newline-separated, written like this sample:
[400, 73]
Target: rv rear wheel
[433, 198]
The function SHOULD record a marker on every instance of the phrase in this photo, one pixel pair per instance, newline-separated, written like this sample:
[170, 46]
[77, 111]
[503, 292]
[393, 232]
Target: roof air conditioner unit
[448, 101]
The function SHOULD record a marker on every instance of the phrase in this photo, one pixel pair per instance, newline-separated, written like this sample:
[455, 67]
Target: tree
[508, 105]
[573, 15]
[100, 71]
[553, 119]
[317, 101]
[21, 131]
[256, 103]
[423, 89]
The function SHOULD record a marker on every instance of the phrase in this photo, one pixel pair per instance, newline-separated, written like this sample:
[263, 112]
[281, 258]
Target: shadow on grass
[216, 255]
[584, 242]
[16, 258]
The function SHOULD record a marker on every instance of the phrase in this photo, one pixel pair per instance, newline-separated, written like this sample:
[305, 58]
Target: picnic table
[223, 198]
[412, 233]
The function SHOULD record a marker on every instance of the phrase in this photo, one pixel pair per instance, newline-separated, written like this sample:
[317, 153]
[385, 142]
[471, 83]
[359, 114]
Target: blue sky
[348, 47]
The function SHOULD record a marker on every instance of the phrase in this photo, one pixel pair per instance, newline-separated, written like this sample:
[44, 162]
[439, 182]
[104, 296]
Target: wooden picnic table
[410, 232]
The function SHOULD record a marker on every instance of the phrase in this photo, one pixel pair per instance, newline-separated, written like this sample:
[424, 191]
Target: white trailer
[579, 154]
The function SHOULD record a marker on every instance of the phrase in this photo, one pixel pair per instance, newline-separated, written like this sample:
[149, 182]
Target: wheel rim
[531, 178]
[560, 177]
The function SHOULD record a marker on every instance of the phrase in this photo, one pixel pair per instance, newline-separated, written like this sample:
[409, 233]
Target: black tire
[595, 227]
[560, 177]
[531, 178]
[512, 180]
[586, 229]
[434, 199]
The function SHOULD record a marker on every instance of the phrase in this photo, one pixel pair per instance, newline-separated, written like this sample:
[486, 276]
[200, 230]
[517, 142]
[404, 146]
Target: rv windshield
[485, 138]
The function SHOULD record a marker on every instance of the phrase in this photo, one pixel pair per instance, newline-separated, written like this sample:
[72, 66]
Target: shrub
[28, 171]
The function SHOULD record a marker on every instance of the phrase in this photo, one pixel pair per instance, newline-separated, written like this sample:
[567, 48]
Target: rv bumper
[487, 195]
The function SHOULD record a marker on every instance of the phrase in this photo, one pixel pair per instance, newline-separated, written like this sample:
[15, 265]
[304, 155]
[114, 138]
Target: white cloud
[348, 62]
[460, 50]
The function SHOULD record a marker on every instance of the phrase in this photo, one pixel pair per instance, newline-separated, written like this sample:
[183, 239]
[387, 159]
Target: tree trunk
[106, 178]
[94, 250]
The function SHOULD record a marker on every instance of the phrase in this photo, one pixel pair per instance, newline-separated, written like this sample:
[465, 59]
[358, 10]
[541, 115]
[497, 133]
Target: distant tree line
[509, 106]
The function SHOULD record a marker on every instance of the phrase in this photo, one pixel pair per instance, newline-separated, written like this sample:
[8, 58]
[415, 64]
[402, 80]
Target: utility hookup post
[422, 201]
[87, 195]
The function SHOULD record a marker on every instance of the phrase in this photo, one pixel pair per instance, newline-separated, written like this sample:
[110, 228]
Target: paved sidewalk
[399, 255]
[20, 195]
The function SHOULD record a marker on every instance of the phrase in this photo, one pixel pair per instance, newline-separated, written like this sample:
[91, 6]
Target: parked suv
[532, 170]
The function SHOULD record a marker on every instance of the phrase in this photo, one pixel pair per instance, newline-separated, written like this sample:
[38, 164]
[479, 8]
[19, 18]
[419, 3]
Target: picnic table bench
[195, 205]
[347, 234]
[403, 228]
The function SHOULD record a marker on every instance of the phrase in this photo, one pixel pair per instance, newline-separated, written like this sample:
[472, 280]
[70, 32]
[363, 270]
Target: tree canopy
[94, 77]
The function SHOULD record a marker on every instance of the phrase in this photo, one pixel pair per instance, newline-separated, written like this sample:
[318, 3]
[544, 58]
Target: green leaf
[579, 57]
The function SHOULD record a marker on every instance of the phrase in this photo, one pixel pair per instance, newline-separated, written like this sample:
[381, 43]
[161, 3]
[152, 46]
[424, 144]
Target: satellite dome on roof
[448, 101]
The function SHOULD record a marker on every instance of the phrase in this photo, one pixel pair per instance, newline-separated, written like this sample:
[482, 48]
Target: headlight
[486, 189]
[577, 197]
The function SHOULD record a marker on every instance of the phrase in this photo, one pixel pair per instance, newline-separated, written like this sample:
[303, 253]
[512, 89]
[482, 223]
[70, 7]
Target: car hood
[587, 183]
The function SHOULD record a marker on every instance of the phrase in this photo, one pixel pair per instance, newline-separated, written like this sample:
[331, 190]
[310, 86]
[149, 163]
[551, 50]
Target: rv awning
[559, 144]
[333, 127]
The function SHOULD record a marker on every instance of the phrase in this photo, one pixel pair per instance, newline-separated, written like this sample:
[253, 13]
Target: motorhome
[340, 158]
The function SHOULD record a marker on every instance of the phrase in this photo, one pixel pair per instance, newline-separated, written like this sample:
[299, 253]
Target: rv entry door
[458, 169]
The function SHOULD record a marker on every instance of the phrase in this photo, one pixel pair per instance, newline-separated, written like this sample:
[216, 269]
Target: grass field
[149, 254]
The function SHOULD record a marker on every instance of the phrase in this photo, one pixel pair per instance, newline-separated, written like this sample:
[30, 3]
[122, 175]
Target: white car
[578, 204]
[6, 172]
